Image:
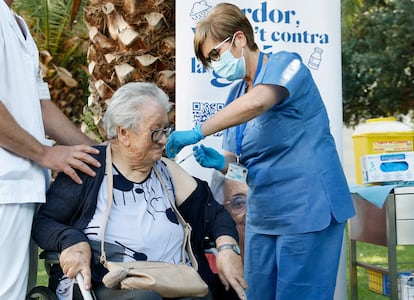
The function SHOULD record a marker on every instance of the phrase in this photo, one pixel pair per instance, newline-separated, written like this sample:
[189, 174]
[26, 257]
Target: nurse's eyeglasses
[214, 54]
[156, 134]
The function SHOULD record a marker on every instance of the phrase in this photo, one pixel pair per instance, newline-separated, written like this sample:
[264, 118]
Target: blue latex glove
[179, 139]
[209, 158]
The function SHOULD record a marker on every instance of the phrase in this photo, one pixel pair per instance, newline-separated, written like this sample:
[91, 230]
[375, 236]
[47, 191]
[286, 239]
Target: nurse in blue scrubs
[277, 139]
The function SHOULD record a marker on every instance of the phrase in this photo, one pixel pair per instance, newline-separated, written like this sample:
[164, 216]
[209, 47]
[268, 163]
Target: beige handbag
[167, 279]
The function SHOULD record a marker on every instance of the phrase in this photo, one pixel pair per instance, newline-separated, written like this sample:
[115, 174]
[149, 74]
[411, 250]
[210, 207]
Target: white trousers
[15, 228]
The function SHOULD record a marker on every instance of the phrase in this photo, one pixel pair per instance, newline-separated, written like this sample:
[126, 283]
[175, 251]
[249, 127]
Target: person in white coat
[26, 116]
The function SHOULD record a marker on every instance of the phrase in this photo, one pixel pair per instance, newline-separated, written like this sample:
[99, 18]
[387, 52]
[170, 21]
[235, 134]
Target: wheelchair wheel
[41, 293]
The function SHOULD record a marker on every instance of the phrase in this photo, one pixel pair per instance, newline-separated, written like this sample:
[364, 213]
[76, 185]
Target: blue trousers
[297, 266]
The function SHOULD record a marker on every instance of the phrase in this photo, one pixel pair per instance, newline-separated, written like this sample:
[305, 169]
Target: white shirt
[21, 180]
[141, 224]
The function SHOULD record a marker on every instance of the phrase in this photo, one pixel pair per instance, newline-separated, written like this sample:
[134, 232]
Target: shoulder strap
[110, 183]
[187, 227]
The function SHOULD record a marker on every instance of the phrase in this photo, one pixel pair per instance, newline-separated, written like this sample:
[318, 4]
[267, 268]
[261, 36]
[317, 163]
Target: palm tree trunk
[130, 40]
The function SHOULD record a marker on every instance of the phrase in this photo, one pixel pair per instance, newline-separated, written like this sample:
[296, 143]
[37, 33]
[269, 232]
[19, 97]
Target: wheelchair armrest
[50, 256]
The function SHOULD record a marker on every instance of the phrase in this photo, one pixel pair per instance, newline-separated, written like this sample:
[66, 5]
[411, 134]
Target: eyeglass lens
[214, 54]
[237, 203]
[156, 134]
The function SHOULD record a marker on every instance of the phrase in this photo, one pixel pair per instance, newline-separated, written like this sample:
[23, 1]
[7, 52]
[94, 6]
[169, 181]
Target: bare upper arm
[269, 95]
[184, 183]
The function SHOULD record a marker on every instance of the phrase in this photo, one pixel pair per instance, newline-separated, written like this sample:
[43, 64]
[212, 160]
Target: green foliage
[378, 60]
[91, 129]
[51, 26]
[63, 47]
[349, 9]
[42, 277]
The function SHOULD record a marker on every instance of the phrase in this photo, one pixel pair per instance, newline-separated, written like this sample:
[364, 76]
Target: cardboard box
[388, 167]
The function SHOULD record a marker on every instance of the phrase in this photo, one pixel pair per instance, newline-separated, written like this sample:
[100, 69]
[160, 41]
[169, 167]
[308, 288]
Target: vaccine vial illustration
[315, 58]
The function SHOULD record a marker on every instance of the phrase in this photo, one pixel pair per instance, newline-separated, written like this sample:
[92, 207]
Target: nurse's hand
[179, 139]
[209, 157]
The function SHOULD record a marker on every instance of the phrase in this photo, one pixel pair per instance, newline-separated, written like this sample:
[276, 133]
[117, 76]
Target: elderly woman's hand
[75, 259]
[230, 270]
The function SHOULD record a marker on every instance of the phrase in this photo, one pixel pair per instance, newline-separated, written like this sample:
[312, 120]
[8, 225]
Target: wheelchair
[51, 258]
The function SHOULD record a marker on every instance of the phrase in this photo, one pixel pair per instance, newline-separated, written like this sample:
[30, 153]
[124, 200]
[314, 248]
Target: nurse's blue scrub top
[295, 176]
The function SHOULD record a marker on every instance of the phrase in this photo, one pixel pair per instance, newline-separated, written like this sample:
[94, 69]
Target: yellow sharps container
[380, 135]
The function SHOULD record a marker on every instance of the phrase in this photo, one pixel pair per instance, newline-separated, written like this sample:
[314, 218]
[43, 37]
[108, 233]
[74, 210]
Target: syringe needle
[185, 158]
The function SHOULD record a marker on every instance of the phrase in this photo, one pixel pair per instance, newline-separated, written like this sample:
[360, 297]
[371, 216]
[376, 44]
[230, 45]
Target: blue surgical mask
[229, 67]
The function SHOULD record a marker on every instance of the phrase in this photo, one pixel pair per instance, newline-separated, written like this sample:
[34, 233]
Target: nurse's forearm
[239, 111]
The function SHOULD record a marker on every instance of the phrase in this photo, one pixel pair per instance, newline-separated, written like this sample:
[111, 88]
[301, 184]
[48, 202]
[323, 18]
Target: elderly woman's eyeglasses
[156, 134]
[214, 54]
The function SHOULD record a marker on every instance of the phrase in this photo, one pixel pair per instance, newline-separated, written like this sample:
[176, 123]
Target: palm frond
[50, 21]
[58, 22]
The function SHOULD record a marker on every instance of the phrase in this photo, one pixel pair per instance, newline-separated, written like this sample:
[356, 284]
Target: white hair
[216, 186]
[127, 106]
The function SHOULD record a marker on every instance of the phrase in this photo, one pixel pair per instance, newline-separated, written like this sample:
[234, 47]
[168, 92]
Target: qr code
[203, 110]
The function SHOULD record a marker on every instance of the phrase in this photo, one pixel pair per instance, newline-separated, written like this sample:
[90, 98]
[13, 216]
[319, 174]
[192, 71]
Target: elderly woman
[140, 226]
